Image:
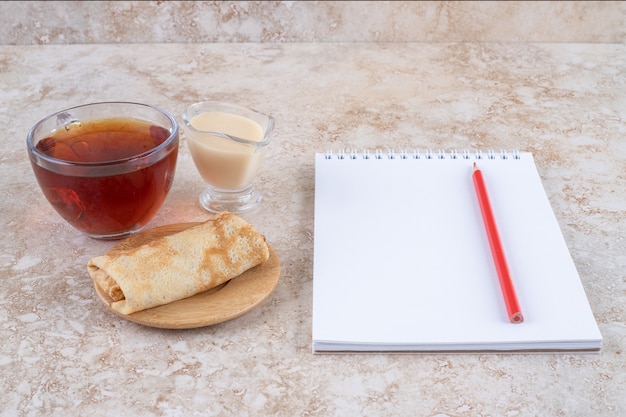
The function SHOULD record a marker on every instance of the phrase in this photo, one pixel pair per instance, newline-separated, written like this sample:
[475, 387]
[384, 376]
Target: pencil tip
[517, 318]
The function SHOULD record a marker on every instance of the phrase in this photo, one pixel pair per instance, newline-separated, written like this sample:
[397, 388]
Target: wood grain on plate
[224, 302]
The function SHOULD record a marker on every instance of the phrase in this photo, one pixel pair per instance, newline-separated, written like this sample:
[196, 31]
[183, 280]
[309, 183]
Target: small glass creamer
[227, 143]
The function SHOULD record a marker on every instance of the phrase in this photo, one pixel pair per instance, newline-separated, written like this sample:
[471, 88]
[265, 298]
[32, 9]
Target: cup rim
[166, 143]
[257, 144]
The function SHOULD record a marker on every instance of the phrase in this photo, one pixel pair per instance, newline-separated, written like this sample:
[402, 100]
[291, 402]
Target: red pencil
[506, 284]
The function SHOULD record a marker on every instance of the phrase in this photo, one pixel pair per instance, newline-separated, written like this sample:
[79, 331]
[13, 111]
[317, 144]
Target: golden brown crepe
[180, 265]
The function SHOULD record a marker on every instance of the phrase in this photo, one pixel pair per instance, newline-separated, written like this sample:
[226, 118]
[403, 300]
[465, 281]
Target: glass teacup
[106, 168]
[227, 143]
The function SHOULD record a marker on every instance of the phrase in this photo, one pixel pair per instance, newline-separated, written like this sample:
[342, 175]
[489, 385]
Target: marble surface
[63, 353]
[70, 22]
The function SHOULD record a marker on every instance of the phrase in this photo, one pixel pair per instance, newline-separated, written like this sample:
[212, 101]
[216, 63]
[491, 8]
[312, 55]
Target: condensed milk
[227, 144]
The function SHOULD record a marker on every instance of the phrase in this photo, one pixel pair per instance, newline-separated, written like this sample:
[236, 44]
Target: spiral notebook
[402, 261]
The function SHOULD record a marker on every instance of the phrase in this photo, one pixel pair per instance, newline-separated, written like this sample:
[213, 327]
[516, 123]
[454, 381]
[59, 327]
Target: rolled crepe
[180, 265]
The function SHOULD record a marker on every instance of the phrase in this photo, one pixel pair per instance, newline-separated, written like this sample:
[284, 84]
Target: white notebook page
[402, 261]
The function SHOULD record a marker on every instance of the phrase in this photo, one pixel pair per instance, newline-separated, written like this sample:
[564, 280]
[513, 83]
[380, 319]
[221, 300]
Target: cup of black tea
[106, 168]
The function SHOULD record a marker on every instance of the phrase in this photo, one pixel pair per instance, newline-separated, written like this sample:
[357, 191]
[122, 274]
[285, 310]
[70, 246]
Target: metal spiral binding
[417, 154]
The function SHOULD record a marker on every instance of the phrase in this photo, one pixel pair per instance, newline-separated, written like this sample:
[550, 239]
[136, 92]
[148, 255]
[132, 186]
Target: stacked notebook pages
[402, 261]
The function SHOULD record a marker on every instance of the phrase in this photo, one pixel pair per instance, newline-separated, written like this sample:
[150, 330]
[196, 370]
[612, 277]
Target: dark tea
[118, 200]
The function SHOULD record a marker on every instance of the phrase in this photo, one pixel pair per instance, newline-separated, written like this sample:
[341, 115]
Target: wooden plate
[224, 302]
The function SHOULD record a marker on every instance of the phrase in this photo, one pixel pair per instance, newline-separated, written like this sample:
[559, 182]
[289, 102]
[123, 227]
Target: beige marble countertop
[63, 353]
[121, 21]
